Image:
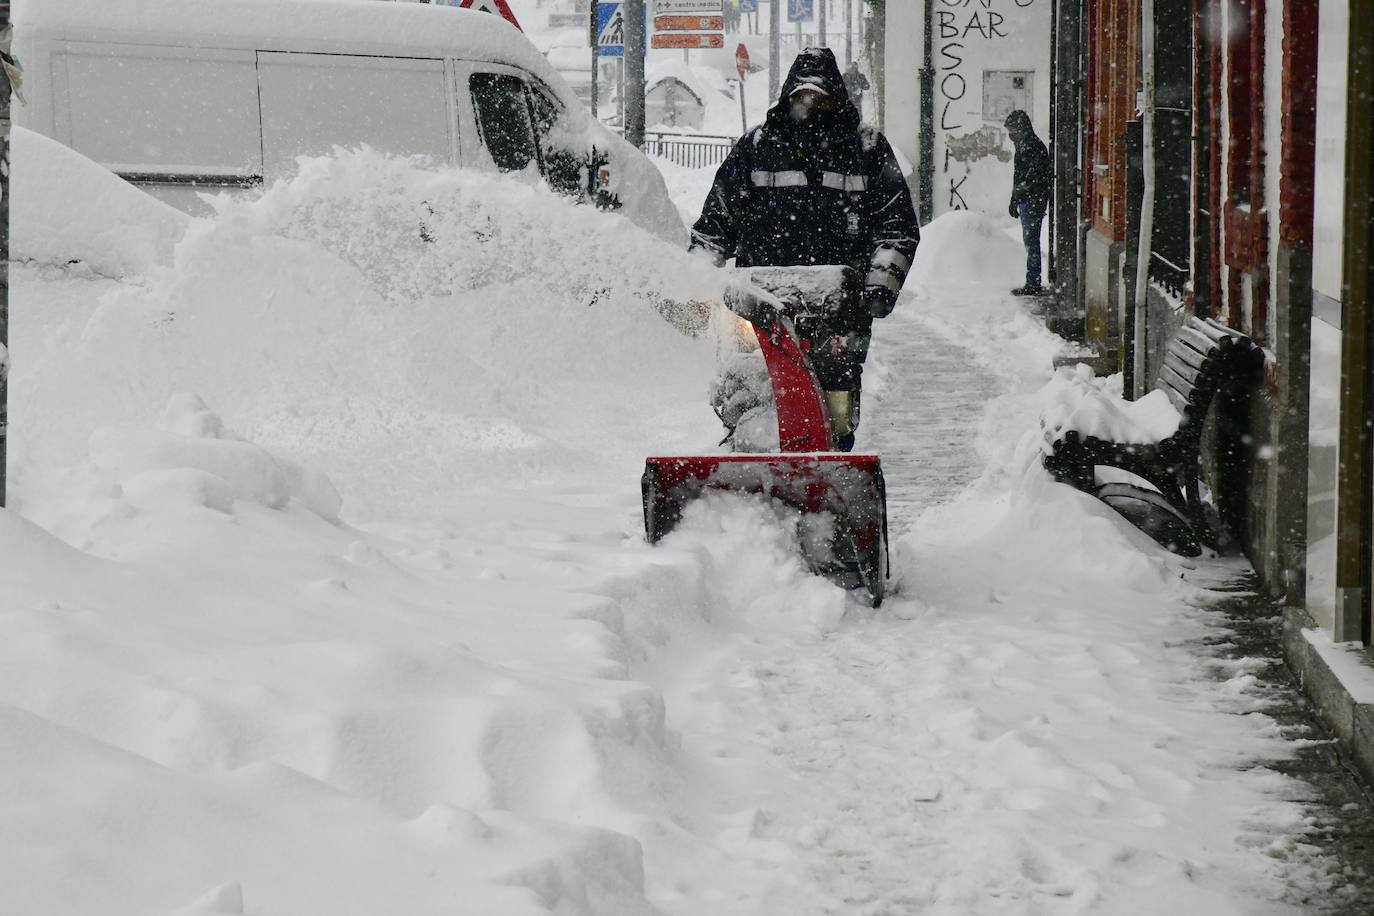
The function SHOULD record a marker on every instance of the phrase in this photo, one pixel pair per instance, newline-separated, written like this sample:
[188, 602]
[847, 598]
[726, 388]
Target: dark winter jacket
[822, 191]
[1033, 174]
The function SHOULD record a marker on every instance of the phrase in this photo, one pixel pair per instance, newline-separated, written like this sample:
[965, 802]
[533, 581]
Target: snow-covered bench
[1158, 438]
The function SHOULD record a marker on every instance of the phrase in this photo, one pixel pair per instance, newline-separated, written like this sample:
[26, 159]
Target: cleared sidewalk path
[1049, 716]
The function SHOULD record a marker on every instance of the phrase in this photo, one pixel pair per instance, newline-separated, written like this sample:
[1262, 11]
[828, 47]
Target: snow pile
[470, 686]
[961, 246]
[67, 209]
[193, 459]
[1077, 400]
[392, 313]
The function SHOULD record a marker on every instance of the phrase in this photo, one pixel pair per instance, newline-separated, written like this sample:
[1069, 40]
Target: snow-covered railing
[693, 151]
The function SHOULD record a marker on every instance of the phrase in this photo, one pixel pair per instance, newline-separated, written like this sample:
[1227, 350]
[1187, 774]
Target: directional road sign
[687, 7]
[688, 40]
[689, 23]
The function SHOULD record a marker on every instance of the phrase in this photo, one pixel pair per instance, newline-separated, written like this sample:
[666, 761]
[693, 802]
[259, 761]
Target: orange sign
[689, 23]
[687, 40]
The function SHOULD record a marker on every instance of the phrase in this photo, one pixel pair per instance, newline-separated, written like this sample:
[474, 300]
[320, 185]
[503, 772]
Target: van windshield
[504, 118]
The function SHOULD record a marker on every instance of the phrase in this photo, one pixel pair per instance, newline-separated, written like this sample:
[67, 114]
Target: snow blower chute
[841, 497]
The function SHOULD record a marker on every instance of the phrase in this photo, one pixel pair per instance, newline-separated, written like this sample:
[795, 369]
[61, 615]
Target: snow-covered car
[184, 96]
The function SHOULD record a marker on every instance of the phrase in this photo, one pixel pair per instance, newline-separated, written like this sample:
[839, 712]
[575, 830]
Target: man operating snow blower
[812, 187]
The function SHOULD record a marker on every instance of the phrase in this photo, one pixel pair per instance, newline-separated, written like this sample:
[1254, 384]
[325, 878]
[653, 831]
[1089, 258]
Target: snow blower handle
[754, 305]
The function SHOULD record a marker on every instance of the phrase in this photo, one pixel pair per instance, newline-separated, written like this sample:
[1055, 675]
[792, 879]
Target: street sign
[689, 23]
[748, 6]
[499, 7]
[688, 7]
[688, 40]
[742, 60]
[800, 10]
[610, 30]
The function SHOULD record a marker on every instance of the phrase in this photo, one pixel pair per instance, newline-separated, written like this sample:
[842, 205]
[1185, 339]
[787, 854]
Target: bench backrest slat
[1186, 354]
[1191, 373]
[1198, 360]
[1191, 337]
[1179, 390]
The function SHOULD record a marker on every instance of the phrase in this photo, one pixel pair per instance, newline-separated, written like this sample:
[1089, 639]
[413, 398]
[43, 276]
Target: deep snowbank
[222, 693]
[67, 209]
[399, 327]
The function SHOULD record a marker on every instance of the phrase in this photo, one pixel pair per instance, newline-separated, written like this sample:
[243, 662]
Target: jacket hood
[1021, 121]
[817, 67]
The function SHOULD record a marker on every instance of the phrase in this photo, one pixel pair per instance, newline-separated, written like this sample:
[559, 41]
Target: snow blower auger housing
[841, 498]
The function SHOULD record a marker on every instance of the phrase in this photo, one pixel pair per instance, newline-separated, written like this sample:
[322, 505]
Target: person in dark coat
[857, 84]
[1030, 193]
[811, 186]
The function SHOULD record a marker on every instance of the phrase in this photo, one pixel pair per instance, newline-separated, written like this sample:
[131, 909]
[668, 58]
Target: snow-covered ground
[326, 592]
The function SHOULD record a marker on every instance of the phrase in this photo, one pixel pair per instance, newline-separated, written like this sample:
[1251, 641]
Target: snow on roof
[355, 26]
[703, 81]
[706, 83]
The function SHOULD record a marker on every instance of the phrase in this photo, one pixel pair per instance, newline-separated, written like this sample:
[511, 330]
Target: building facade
[953, 71]
[1261, 220]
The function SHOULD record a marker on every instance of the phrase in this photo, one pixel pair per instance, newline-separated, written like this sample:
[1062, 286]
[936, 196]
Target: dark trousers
[1032, 216]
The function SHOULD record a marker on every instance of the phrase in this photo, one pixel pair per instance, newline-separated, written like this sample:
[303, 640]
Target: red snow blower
[841, 497]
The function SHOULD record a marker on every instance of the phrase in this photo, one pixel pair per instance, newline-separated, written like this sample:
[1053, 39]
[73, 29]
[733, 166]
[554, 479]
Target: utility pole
[1066, 137]
[634, 71]
[1139, 346]
[926, 170]
[594, 31]
[848, 33]
[6, 33]
[878, 61]
[774, 48]
[821, 38]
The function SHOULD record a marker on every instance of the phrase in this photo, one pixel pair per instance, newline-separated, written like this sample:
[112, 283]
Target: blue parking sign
[800, 10]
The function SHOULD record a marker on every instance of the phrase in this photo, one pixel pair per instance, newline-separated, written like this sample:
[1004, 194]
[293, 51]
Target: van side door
[313, 102]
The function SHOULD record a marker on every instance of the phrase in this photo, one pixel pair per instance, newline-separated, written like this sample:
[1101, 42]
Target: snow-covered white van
[180, 96]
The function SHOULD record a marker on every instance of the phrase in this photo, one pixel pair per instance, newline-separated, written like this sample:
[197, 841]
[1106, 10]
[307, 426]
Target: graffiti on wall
[960, 25]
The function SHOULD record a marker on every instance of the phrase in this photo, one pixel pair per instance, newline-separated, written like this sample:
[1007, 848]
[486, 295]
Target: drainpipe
[926, 173]
[1147, 204]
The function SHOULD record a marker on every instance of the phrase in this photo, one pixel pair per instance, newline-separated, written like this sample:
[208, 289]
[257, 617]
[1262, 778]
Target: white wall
[1333, 32]
[973, 157]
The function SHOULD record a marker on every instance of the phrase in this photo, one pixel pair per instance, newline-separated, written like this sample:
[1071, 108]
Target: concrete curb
[1340, 682]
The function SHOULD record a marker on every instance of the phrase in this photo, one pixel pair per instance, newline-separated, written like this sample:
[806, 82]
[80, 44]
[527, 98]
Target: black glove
[879, 300]
[1013, 210]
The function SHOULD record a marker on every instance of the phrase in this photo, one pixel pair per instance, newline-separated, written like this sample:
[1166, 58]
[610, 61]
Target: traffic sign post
[800, 10]
[635, 32]
[742, 67]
